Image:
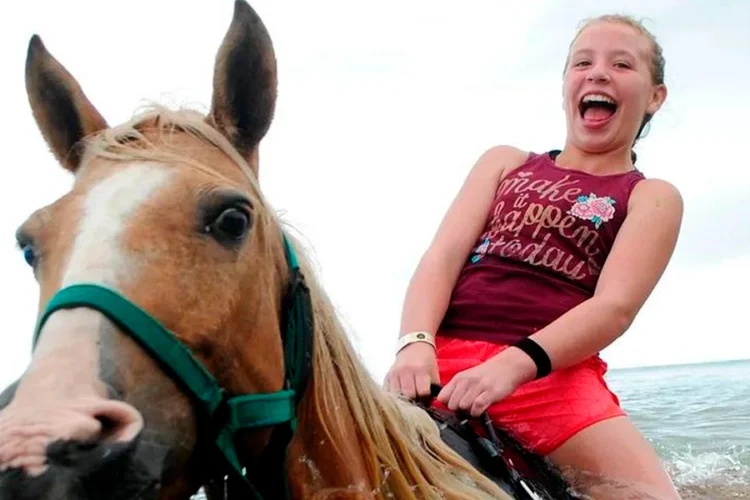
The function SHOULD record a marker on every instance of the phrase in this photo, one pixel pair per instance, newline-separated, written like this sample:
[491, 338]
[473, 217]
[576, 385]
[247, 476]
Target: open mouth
[597, 108]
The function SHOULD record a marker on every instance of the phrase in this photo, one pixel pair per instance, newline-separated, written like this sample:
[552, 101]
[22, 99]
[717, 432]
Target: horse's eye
[29, 254]
[231, 226]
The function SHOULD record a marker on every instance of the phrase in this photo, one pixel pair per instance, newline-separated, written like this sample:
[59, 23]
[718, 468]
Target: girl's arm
[639, 256]
[429, 290]
[642, 250]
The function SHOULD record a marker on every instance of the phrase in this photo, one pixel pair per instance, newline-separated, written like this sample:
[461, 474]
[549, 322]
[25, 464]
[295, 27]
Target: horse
[183, 341]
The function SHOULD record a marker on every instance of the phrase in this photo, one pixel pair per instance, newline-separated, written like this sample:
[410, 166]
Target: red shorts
[541, 414]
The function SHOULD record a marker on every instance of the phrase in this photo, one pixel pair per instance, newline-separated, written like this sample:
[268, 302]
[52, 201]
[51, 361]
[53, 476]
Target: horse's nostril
[109, 427]
[119, 421]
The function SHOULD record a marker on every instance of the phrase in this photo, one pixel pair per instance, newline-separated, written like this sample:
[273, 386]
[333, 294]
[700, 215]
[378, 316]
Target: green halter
[227, 413]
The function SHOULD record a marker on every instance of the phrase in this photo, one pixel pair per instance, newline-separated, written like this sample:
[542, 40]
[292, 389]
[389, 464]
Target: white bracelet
[412, 337]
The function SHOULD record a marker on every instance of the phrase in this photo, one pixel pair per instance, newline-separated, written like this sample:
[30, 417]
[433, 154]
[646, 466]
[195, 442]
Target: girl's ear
[658, 96]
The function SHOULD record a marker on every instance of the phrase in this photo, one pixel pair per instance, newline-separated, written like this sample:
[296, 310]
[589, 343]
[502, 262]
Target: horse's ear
[62, 111]
[244, 84]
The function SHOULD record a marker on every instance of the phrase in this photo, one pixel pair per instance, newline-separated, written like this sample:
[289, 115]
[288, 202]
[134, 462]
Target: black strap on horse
[267, 472]
[496, 454]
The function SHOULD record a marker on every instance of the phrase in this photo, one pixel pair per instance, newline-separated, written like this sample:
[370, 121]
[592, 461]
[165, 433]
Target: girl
[542, 261]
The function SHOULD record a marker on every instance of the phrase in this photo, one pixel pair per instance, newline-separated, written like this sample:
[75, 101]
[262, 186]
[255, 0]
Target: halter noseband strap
[228, 414]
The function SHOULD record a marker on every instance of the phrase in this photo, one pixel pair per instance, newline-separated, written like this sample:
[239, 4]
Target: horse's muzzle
[77, 462]
[78, 470]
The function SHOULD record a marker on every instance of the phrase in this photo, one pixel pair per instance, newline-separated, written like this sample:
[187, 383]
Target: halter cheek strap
[226, 413]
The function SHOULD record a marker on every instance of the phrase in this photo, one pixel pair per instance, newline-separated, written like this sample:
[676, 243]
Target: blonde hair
[402, 449]
[657, 66]
[658, 62]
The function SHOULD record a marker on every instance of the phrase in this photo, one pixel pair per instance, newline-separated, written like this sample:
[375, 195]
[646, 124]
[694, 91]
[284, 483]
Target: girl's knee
[612, 460]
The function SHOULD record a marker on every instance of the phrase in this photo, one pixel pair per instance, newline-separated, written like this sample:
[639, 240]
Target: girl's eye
[622, 65]
[581, 63]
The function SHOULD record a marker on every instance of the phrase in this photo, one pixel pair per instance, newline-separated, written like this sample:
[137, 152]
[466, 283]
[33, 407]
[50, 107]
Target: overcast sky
[383, 107]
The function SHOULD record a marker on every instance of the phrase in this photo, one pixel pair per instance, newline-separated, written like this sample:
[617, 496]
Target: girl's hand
[413, 371]
[479, 387]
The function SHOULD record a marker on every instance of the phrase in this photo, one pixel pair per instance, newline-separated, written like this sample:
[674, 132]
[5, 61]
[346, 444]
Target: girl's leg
[612, 460]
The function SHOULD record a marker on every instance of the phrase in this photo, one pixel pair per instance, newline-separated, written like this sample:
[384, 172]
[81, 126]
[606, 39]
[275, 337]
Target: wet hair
[657, 56]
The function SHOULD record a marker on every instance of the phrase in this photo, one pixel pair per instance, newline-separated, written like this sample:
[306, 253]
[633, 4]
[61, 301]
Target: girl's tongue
[595, 113]
[598, 113]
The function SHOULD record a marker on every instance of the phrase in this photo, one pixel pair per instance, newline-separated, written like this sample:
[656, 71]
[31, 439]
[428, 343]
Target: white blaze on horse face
[66, 362]
[97, 255]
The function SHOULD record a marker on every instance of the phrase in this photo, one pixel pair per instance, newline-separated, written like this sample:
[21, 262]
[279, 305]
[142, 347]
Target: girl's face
[608, 87]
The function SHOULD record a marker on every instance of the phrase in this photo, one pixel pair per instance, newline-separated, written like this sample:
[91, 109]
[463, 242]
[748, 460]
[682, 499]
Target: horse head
[166, 211]
[181, 336]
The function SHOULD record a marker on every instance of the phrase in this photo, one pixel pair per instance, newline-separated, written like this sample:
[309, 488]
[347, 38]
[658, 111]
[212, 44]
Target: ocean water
[698, 419]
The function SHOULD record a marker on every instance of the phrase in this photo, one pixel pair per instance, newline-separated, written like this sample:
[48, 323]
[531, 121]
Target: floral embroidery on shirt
[593, 208]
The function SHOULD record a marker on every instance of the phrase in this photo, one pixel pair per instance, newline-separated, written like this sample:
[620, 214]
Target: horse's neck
[316, 470]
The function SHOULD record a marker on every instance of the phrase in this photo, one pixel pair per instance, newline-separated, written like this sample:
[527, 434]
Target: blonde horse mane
[402, 449]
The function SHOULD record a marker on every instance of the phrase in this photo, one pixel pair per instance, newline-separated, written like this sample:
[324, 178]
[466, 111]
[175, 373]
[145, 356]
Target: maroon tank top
[547, 236]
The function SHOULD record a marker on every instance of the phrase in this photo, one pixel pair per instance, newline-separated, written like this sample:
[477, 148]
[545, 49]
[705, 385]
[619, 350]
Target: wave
[711, 475]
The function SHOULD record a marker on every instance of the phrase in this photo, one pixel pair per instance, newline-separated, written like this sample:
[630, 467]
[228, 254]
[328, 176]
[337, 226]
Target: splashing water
[698, 419]
[730, 468]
